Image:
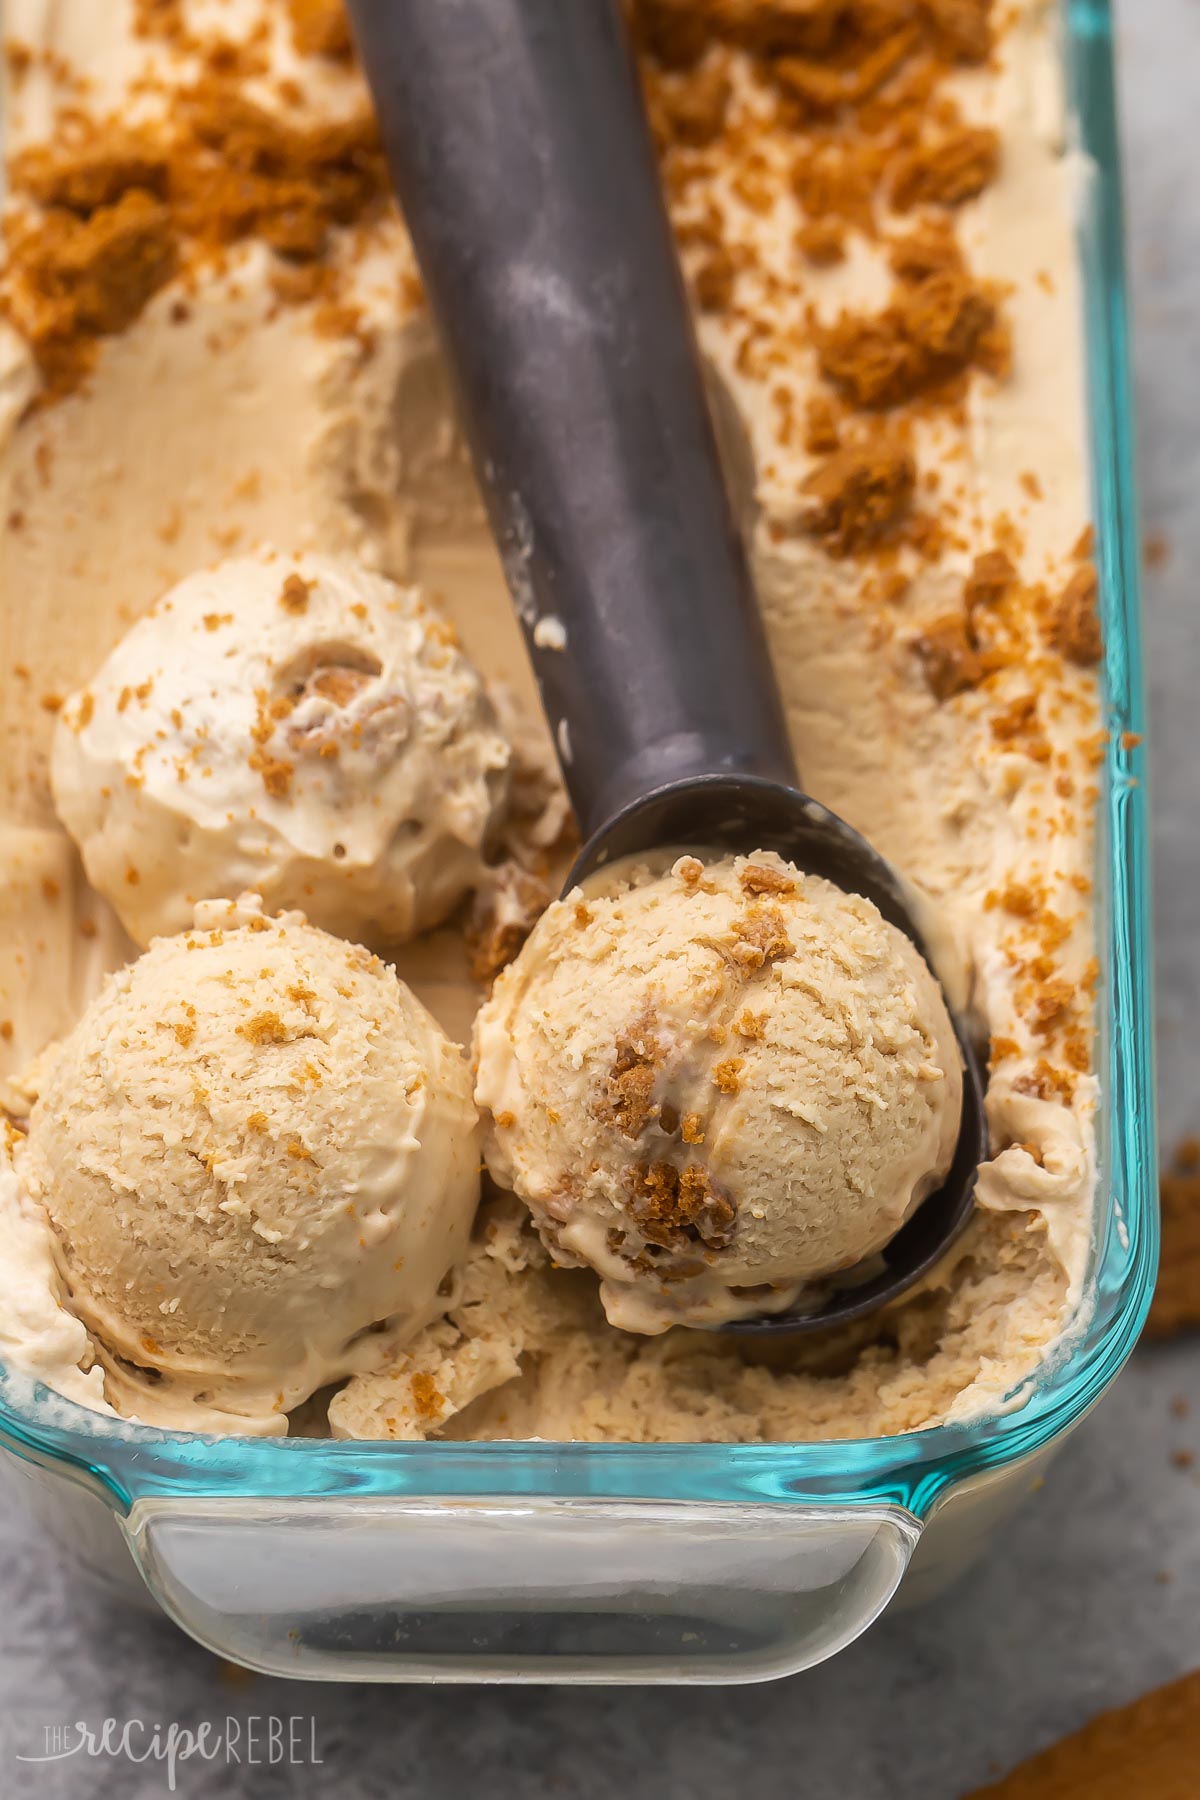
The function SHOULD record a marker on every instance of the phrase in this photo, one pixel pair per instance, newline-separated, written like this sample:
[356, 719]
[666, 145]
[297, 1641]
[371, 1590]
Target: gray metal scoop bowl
[521, 155]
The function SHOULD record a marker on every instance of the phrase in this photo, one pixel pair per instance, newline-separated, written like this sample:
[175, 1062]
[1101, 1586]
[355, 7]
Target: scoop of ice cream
[295, 725]
[37, 1334]
[259, 1159]
[717, 1085]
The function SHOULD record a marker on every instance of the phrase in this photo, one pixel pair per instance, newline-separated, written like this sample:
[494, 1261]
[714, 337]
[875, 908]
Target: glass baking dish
[552, 1561]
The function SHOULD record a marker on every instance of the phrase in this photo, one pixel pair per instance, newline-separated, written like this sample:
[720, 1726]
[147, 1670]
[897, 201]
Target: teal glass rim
[127, 1462]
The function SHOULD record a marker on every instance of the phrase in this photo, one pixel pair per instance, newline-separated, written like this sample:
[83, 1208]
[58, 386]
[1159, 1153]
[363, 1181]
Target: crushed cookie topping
[73, 279]
[955, 167]
[858, 495]
[293, 596]
[264, 1028]
[760, 878]
[948, 657]
[761, 937]
[822, 433]
[750, 1024]
[672, 1207]
[931, 331]
[428, 1400]
[690, 111]
[727, 1074]
[992, 576]
[930, 248]
[320, 28]
[627, 1100]
[822, 242]
[106, 217]
[1075, 624]
[842, 33]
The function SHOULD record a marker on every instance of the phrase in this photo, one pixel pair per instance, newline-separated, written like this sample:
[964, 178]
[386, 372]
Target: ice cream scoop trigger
[521, 154]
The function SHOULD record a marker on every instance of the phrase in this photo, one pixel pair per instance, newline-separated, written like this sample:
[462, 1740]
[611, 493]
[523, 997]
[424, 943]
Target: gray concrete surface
[1093, 1597]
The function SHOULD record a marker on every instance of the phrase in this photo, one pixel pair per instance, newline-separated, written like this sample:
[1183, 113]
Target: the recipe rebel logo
[260, 1740]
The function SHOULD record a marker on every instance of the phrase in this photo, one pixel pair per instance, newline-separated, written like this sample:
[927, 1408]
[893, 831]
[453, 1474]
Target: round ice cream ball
[717, 1086]
[259, 1158]
[295, 725]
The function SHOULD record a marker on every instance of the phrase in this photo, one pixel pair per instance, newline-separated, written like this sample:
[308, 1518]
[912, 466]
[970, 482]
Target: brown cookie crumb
[75, 280]
[275, 772]
[294, 594]
[930, 249]
[320, 28]
[628, 1101]
[762, 937]
[691, 1128]
[104, 220]
[1075, 625]
[947, 171]
[1045, 1082]
[821, 434]
[758, 878]
[858, 495]
[727, 1074]
[822, 242]
[692, 111]
[963, 28]
[96, 174]
[427, 1400]
[264, 1028]
[992, 575]
[931, 331]
[674, 1206]
[1052, 1002]
[948, 657]
[1016, 719]
[714, 280]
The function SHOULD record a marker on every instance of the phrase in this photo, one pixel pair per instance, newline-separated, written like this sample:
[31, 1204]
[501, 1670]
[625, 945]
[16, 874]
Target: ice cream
[878, 232]
[717, 1086]
[258, 1158]
[37, 1332]
[524, 1351]
[295, 725]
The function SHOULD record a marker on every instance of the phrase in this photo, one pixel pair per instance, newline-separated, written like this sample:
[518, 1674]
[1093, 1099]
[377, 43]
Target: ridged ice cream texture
[717, 1086]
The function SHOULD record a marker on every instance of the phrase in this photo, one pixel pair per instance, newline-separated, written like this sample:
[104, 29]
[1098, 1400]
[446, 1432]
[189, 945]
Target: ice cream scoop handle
[522, 158]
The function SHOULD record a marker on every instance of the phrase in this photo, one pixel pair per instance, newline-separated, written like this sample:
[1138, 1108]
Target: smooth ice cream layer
[297, 726]
[928, 695]
[717, 1086]
[258, 1158]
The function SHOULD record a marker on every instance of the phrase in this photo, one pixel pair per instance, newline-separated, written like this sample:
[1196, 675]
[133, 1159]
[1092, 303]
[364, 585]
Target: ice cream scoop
[258, 1158]
[520, 150]
[295, 725]
[719, 1085]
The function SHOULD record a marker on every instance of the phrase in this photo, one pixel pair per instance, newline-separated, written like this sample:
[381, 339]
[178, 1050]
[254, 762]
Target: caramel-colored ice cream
[717, 1086]
[258, 1159]
[877, 227]
[295, 725]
